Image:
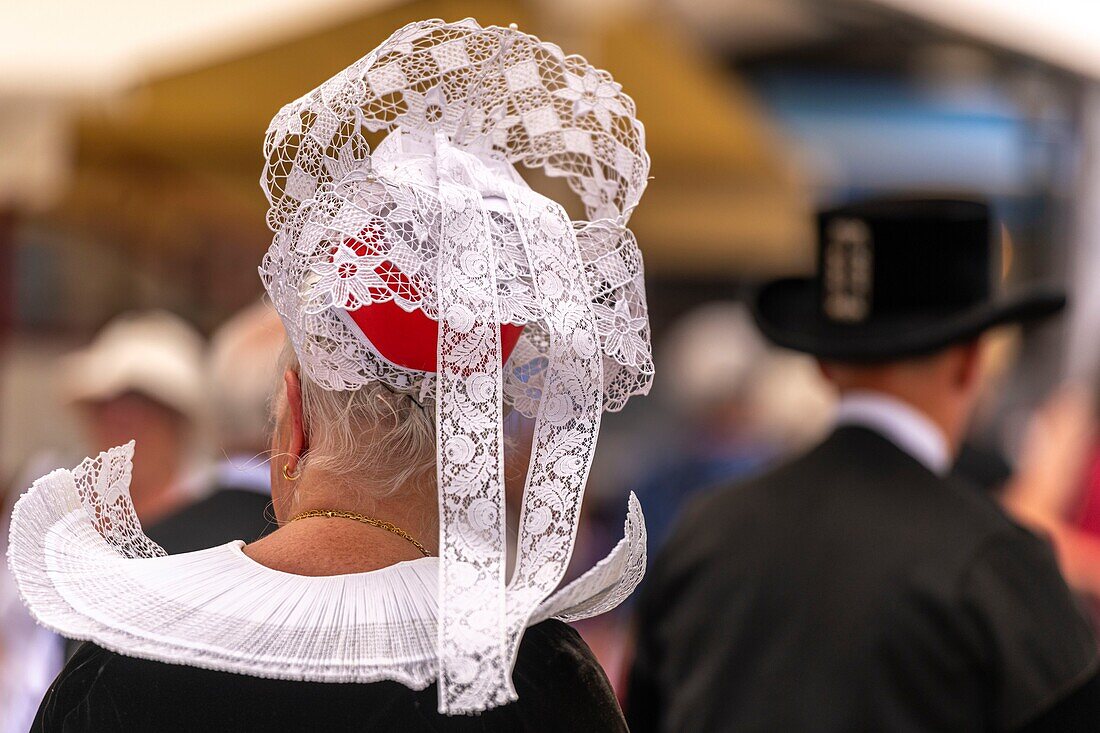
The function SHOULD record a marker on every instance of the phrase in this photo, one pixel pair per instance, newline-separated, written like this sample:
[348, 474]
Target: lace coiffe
[440, 204]
[437, 220]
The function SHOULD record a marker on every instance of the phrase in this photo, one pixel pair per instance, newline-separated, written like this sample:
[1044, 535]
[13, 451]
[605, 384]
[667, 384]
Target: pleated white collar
[85, 570]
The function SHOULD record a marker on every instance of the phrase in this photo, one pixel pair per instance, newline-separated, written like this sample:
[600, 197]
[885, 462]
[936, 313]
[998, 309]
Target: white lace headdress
[433, 232]
[436, 220]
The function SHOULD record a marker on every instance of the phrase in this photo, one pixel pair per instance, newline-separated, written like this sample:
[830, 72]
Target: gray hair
[371, 436]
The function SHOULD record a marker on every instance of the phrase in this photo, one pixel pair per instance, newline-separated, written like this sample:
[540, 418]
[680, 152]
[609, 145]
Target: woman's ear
[298, 441]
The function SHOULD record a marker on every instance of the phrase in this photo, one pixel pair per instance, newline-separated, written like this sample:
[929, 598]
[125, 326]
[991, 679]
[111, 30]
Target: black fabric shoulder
[74, 702]
[225, 515]
[1078, 713]
[556, 669]
[1037, 640]
[560, 684]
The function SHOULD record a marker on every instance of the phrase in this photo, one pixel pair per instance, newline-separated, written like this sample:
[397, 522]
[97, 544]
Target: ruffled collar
[85, 570]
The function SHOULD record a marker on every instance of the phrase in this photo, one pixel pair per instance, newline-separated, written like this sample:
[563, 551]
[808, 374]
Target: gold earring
[288, 475]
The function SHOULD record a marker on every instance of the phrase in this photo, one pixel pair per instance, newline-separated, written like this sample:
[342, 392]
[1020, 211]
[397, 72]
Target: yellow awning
[176, 161]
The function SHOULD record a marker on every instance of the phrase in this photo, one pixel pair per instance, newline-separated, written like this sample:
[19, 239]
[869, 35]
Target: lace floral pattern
[437, 220]
[103, 484]
[568, 421]
[501, 93]
[472, 669]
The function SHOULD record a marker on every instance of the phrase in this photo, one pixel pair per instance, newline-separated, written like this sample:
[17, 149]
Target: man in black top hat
[860, 587]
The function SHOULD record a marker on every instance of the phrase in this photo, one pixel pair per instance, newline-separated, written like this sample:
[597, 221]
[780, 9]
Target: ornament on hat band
[848, 271]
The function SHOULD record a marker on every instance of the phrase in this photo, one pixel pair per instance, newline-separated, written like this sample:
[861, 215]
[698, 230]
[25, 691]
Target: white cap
[715, 354]
[710, 354]
[154, 353]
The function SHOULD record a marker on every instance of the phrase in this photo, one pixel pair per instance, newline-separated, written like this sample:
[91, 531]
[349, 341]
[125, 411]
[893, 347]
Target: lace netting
[103, 485]
[473, 673]
[507, 96]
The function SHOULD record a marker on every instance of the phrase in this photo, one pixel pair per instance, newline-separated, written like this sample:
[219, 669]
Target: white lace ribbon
[473, 673]
[568, 420]
[480, 624]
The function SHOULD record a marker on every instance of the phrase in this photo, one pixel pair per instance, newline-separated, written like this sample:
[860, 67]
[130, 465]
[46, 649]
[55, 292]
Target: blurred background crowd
[131, 226]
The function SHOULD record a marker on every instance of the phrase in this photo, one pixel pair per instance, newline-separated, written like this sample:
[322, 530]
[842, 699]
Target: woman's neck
[337, 545]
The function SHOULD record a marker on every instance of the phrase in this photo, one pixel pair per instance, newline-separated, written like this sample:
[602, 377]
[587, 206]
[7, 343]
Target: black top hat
[897, 278]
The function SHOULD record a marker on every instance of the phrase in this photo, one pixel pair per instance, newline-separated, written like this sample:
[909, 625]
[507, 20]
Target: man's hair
[914, 360]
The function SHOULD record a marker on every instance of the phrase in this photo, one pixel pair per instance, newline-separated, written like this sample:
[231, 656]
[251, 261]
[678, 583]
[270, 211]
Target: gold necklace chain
[380, 524]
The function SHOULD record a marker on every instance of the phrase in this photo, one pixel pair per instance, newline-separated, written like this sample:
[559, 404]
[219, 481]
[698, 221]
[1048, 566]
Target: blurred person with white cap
[241, 369]
[142, 376]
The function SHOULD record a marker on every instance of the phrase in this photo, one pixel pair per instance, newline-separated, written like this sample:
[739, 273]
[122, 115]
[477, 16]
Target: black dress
[854, 590]
[560, 684]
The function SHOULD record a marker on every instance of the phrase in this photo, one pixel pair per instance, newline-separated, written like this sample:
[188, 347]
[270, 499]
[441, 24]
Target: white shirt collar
[900, 423]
